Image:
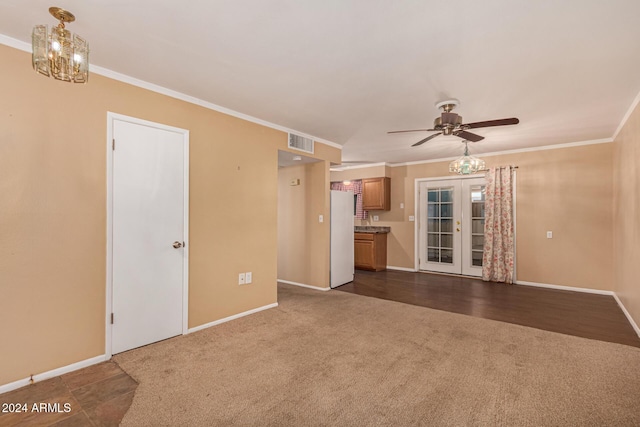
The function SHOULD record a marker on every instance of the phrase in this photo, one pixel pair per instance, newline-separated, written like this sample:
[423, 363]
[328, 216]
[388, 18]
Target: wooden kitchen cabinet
[370, 251]
[376, 194]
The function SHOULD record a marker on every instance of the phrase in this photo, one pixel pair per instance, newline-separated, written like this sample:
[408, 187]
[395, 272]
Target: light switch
[549, 234]
[401, 205]
[320, 218]
[376, 218]
[241, 278]
[412, 218]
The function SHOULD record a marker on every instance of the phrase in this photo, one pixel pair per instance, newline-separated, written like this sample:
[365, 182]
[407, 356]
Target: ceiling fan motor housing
[447, 123]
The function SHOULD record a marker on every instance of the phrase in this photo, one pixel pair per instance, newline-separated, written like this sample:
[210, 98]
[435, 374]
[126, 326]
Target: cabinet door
[375, 194]
[363, 254]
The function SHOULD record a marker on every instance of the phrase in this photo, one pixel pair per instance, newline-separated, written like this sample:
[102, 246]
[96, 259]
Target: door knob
[177, 245]
[457, 229]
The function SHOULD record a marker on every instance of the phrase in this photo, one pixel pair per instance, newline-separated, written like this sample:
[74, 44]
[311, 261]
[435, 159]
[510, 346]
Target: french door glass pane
[477, 209]
[476, 258]
[477, 242]
[446, 240]
[446, 256]
[440, 225]
[477, 224]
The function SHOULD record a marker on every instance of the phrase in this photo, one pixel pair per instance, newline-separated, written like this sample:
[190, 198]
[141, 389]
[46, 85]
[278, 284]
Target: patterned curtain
[356, 187]
[497, 257]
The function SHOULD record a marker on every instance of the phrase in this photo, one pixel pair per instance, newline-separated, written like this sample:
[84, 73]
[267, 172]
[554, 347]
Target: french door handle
[457, 229]
[177, 245]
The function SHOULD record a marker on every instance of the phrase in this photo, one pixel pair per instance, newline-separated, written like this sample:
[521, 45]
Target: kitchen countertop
[371, 229]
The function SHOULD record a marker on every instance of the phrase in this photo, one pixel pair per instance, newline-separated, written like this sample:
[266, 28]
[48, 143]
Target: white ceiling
[349, 71]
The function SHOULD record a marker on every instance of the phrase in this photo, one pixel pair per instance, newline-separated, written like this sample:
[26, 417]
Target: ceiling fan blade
[468, 136]
[426, 139]
[414, 130]
[490, 123]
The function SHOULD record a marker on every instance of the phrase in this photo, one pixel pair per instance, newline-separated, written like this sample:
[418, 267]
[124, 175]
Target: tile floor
[98, 395]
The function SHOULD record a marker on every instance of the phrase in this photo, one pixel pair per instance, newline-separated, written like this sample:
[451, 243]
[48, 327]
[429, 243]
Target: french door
[451, 226]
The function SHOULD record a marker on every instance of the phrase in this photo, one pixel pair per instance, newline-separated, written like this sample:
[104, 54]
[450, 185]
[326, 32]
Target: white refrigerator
[342, 212]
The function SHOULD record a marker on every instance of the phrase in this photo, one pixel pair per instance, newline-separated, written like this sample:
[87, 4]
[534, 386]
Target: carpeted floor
[337, 359]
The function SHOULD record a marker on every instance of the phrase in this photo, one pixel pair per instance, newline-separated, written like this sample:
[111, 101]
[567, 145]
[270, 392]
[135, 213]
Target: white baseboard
[565, 288]
[391, 267]
[634, 325]
[317, 288]
[227, 319]
[53, 373]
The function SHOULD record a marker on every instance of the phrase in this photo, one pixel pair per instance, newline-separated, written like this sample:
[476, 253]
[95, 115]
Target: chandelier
[58, 53]
[466, 164]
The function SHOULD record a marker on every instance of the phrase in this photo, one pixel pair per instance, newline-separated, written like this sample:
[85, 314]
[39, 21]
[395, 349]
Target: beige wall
[53, 212]
[302, 255]
[567, 191]
[626, 216]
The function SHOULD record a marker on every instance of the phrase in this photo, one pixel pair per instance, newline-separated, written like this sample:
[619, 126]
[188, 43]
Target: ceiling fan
[451, 124]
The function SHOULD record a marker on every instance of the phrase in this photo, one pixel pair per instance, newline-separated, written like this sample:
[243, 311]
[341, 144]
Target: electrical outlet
[241, 279]
[549, 234]
[412, 218]
[320, 218]
[401, 205]
[248, 277]
[376, 218]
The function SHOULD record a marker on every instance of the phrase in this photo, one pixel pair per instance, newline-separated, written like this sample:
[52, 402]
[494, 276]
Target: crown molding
[631, 109]
[345, 168]
[520, 150]
[95, 69]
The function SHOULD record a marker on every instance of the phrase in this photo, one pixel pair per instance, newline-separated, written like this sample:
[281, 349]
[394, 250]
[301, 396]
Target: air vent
[301, 143]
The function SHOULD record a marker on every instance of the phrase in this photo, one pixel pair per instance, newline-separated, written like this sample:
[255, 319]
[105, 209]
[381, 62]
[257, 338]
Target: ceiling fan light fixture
[466, 164]
[59, 53]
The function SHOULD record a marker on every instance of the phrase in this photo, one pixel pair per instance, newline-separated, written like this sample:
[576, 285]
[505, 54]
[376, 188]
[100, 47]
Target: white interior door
[342, 238]
[451, 229]
[148, 234]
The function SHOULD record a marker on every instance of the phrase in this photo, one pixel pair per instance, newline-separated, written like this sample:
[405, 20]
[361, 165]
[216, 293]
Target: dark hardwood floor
[574, 313]
[98, 395]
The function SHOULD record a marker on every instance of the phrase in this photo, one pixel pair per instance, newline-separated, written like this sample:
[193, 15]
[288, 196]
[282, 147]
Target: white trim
[53, 373]
[111, 117]
[411, 270]
[416, 211]
[490, 154]
[623, 122]
[344, 168]
[564, 288]
[95, 69]
[15, 43]
[227, 319]
[520, 150]
[634, 325]
[317, 288]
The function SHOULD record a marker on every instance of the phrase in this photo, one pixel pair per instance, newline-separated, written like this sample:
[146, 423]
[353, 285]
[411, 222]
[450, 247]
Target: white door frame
[416, 212]
[416, 207]
[111, 117]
